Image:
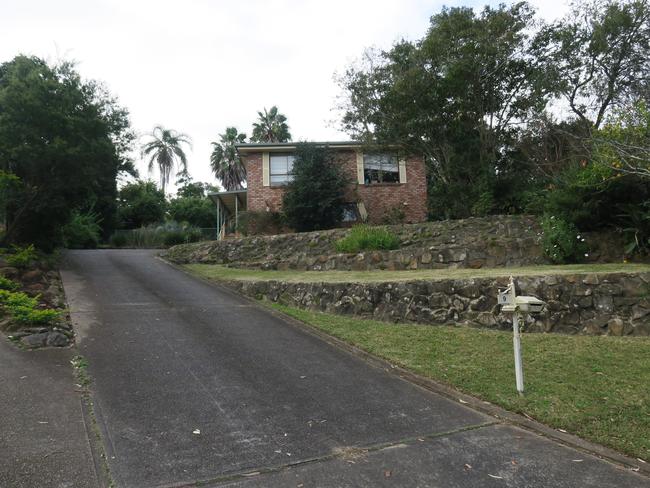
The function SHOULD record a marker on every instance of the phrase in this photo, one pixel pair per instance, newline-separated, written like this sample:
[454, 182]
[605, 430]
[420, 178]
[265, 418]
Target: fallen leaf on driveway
[577, 460]
[468, 467]
[388, 473]
[495, 476]
[196, 431]
[461, 400]
[562, 430]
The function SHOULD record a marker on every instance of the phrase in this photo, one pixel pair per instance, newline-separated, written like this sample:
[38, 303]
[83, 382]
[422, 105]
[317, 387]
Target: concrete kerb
[94, 429]
[447, 391]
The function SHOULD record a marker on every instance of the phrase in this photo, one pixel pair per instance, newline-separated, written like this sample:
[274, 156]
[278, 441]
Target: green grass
[367, 238]
[219, 272]
[595, 387]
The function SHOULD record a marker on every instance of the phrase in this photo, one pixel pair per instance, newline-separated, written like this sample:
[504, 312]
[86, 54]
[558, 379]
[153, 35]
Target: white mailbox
[510, 302]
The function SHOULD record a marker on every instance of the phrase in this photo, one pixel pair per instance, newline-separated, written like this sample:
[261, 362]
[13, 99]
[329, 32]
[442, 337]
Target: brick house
[383, 183]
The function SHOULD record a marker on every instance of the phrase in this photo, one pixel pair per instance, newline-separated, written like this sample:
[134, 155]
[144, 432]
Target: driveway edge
[447, 391]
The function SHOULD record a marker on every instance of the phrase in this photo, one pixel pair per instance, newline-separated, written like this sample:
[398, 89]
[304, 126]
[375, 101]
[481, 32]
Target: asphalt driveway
[195, 384]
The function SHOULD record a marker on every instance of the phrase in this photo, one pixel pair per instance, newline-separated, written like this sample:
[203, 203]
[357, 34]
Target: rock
[57, 339]
[480, 304]
[617, 327]
[639, 312]
[597, 322]
[475, 263]
[35, 288]
[604, 303]
[52, 275]
[426, 258]
[32, 275]
[36, 330]
[34, 340]
[376, 257]
[610, 289]
[641, 329]
[486, 319]
[591, 279]
[592, 329]
[9, 272]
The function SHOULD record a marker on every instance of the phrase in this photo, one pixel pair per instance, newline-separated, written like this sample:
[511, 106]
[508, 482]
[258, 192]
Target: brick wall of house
[378, 199]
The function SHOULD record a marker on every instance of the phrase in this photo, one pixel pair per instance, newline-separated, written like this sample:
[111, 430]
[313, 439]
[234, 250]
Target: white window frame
[288, 176]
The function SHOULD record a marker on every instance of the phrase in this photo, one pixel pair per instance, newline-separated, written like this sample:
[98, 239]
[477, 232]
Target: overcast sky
[198, 66]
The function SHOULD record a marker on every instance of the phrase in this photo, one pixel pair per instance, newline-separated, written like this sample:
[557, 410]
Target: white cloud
[198, 66]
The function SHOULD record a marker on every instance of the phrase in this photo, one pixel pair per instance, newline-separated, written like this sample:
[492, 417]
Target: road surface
[192, 383]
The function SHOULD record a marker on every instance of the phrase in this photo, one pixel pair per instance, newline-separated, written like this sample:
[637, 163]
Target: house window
[281, 167]
[380, 168]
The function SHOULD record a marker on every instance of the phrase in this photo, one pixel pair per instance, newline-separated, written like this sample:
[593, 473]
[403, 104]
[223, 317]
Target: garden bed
[32, 301]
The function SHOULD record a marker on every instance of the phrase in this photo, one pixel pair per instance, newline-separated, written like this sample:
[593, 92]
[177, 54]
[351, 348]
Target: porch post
[236, 211]
[218, 218]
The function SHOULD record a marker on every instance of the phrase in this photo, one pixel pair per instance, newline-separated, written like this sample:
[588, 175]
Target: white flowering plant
[562, 242]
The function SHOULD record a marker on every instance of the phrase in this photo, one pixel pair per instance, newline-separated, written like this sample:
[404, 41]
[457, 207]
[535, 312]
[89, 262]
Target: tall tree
[271, 126]
[596, 55]
[458, 96]
[165, 150]
[225, 161]
[66, 140]
[140, 203]
[314, 198]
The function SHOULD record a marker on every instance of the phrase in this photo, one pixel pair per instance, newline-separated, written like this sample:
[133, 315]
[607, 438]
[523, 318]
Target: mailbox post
[510, 302]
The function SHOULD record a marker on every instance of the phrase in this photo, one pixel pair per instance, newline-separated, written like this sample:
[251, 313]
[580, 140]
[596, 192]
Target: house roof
[234, 201]
[287, 146]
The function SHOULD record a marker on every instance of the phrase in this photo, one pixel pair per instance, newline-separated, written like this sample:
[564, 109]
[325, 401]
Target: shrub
[394, 216]
[175, 237]
[12, 300]
[83, 231]
[7, 284]
[562, 242]
[255, 223]
[26, 315]
[155, 236]
[21, 257]
[367, 238]
[23, 309]
[314, 199]
[118, 239]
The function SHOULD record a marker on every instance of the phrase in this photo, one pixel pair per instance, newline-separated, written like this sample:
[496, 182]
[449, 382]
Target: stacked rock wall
[614, 303]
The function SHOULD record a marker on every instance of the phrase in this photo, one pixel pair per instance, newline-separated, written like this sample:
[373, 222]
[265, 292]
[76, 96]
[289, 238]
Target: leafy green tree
[225, 161]
[623, 143]
[140, 203]
[66, 141]
[193, 206]
[165, 150]
[196, 211]
[196, 189]
[315, 197]
[596, 55]
[271, 126]
[458, 96]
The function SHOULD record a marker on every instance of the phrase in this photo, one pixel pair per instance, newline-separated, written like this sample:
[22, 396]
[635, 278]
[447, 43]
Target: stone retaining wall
[470, 243]
[614, 304]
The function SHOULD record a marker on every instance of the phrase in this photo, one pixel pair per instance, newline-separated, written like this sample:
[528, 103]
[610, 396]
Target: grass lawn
[219, 272]
[595, 387]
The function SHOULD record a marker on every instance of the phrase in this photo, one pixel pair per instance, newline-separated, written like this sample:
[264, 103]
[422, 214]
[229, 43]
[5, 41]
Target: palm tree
[165, 150]
[271, 127]
[225, 161]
